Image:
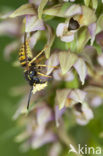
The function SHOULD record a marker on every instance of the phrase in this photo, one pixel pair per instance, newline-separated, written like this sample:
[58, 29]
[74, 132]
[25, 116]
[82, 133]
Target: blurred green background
[10, 77]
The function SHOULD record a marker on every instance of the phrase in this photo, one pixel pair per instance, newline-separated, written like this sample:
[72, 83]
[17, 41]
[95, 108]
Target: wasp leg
[43, 75]
[37, 56]
[39, 59]
[44, 65]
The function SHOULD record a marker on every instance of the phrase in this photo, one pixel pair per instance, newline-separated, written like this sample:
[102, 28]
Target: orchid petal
[34, 38]
[10, 48]
[96, 101]
[88, 112]
[92, 30]
[69, 76]
[98, 91]
[57, 74]
[73, 10]
[5, 27]
[52, 61]
[78, 95]
[68, 38]
[58, 114]
[57, 10]
[99, 24]
[55, 149]
[51, 38]
[100, 59]
[85, 116]
[67, 60]
[64, 11]
[41, 7]
[87, 2]
[60, 28]
[22, 108]
[82, 38]
[26, 9]
[35, 2]
[33, 24]
[88, 16]
[95, 4]
[44, 115]
[81, 69]
[61, 96]
[41, 140]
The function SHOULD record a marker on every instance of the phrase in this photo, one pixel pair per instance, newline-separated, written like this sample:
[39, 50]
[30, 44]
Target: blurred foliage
[10, 77]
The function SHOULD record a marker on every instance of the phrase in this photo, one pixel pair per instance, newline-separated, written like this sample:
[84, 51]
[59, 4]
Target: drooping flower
[67, 60]
[37, 3]
[57, 75]
[6, 25]
[96, 101]
[66, 31]
[55, 149]
[75, 99]
[83, 114]
[81, 69]
[37, 133]
[100, 59]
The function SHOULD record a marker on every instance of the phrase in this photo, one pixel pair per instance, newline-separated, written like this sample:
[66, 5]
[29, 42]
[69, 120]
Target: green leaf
[57, 10]
[67, 60]
[33, 24]
[41, 7]
[72, 45]
[88, 16]
[26, 9]
[98, 91]
[98, 48]
[82, 38]
[87, 2]
[73, 10]
[95, 4]
[51, 37]
[81, 69]
[52, 61]
[100, 24]
[73, 84]
[87, 55]
[78, 95]
[61, 96]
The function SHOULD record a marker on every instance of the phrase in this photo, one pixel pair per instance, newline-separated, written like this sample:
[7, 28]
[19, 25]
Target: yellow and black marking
[25, 56]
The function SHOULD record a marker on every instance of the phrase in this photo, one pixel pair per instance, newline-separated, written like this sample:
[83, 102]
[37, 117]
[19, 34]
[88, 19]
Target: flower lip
[67, 30]
[73, 24]
[78, 107]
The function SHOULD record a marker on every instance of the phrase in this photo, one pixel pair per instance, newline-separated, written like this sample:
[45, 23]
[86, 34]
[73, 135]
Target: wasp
[31, 68]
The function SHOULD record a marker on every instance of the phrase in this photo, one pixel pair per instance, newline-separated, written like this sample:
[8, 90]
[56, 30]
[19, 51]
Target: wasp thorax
[32, 74]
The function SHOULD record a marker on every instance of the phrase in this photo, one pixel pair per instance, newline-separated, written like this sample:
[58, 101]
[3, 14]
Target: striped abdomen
[25, 56]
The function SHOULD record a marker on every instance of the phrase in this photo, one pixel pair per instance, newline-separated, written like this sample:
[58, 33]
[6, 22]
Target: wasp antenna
[30, 93]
